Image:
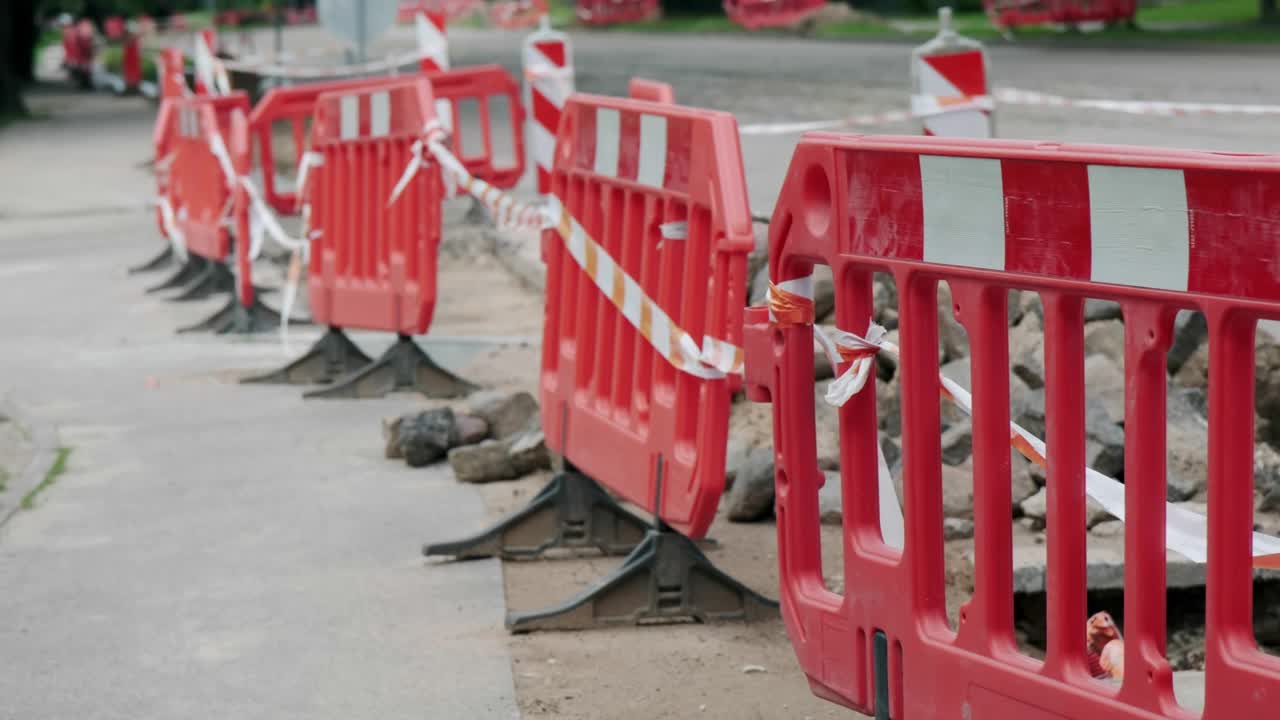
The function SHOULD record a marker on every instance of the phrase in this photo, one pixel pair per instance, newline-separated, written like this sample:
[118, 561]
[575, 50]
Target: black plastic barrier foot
[161, 260]
[666, 579]
[185, 274]
[215, 279]
[571, 511]
[404, 366]
[234, 317]
[332, 356]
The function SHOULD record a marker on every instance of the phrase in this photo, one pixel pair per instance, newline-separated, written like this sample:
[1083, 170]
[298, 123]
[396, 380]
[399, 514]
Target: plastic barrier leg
[165, 257]
[404, 366]
[234, 317]
[571, 511]
[665, 579]
[185, 274]
[214, 279]
[332, 356]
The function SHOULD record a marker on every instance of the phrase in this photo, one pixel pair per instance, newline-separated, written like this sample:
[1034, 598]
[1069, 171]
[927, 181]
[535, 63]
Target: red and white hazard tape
[713, 358]
[924, 107]
[791, 302]
[1014, 96]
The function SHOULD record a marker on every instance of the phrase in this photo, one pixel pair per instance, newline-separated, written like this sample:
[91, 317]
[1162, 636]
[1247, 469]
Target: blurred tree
[1270, 10]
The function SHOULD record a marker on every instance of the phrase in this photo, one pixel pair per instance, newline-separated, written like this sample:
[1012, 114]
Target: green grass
[113, 60]
[1207, 11]
[59, 466]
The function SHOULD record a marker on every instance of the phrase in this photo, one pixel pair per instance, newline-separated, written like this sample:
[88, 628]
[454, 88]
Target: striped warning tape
[712, 358]
[929, 106]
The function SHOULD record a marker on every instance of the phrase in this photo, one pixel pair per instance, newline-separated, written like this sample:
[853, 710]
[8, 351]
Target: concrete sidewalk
[212, 551]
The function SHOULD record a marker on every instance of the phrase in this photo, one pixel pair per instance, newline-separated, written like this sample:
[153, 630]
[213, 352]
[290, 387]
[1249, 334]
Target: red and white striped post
[433, 40]
[952, 91]
[548, 76]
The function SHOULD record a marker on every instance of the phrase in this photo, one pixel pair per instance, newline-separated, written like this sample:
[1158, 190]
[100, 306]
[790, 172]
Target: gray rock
[1020, 396]
[827, 426]
[1095, 309]
[888, 318]
[888, 407]
[957, 443]
[956, 528]
[1036, 507]
[736, 452]
[1105, 381]
[485, 461]
[528, 452]
[752, 496]
[1024, 484]
[951, 334]
[885, 296]
[1194, 372]
[1266, 477]
[892, 453]
[471, 429]
[1267, 377]
[1186, 440]
[1029, 304]
[1105, 337]
[1026, 351]
[1189, 332]
[426, 436]
[1106, 459]
[822, 369]
[506, 413]
[1111, 528]
[957, 491]
[1031, 418]
[508, 459]
[831, 500]
[1094, 514]
[391, 436]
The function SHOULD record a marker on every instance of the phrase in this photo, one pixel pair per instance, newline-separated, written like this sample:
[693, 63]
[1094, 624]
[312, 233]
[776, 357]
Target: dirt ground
[665, 671]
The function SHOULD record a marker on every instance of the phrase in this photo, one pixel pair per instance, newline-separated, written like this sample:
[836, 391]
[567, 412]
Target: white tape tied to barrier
[713, 359]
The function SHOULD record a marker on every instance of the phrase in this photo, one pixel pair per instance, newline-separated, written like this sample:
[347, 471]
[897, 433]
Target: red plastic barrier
[114, 28]
[651, 91]
[756, 14]
[613, 405]
[373, 265]
[131, 62]
[453, 9]
[1158, 231]
[610, 12]
[295, 105]
[199, 190]
[1019, 13]
[479, 86]
[173, 78]
[517, 14]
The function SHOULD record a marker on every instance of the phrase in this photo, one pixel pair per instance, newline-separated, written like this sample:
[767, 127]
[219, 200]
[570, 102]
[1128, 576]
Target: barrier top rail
[454, 90]
[645, 280]
[1158, 231]
[296, 105]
